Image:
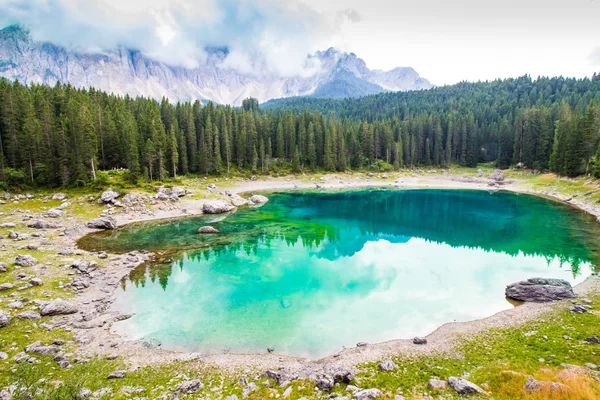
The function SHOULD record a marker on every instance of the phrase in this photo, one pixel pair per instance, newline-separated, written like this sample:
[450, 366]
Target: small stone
[324, 384]
[437, 384]
[368, 394]
[362, 344]
[387, 365]
[117, 375]
[36, 282]
[592, 339]
[6, 286]
[419, 341]
[463, 386]
[192, 386]
[4, 319]
[30, 315]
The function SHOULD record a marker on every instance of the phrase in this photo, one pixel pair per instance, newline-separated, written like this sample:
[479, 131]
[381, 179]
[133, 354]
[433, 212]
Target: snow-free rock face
[540, 290]
[124, 71]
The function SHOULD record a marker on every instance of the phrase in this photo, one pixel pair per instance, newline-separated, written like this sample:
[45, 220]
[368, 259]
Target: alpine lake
[309, 273]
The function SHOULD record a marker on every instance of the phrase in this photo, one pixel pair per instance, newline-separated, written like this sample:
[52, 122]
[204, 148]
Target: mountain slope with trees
[53, 136]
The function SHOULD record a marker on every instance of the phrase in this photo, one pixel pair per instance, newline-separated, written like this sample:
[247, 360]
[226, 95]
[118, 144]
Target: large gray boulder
[4, 319]
[58, 307]
[58, 196]
[463, 386]
[108, 223]
[540, 290]
[216, 207]
[25, 260]
[497, 176]
[55, 213]
[108, 196]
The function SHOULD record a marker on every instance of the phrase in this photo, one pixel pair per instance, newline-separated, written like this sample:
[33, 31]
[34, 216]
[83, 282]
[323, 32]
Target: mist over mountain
[331, 73]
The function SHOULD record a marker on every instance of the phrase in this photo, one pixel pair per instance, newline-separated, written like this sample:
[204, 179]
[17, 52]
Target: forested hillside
[52, 136]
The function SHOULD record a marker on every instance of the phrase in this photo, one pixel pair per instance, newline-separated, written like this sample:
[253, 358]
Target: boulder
[58, 196]
[258, 199]
[343, 375]
[238, 201]
[107, 223]
[208, 229]
[533, 385]
[497, 176]
[83, 266]
[6, 286]
[192, 386]
[540, 290]
[4, 319]
[324, 384]
[216, 207]
[129, 198]
[108, 197]
[55, 213]
[8, 225]
[117, 375]
[419, 340]
[58, 307]
[437, 384]
[25, 260]
[368, 394]
[30, 315]
[178, 191]
[41, 224]
[463, 386]
[387, 365]
[3, 267]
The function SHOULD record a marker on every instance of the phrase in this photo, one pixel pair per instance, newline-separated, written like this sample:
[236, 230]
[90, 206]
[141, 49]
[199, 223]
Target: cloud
[277, 35]
[594, 57]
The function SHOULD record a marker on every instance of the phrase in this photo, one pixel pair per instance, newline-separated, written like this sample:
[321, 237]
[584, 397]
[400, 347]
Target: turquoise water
[309, 273]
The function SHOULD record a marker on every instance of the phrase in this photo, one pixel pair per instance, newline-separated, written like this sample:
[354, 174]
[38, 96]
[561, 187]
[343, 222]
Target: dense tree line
[52, 136]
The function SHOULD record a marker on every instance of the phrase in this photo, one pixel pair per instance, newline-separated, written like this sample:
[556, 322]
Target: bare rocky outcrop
[216, 207]
[540, 290]
[106, 223]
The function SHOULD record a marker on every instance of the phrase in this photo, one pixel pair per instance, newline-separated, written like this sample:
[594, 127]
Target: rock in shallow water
[208, 229]
[258, 199]
[540, 290]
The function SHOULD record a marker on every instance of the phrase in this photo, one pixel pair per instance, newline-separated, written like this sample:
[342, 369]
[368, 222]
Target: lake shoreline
[96, 332]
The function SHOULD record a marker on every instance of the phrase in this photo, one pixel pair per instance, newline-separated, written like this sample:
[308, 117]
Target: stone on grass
[109, 196]
[497, 175]
[58, 196]
[368, 394]
[36, 282]
[41, 224]
[533, 385]
[108, 223]
[216, 207]
[463, 386]
[8, 225]
[540, 290]
[192, 386]
[30, 315]
[251, 387]
[592, 339]
[343, 375]
[25, 260]
[3, 267]
[4, 319]
[324, 384]
[387, 365]
[6, 286]
[437, 384]
[55, 213]
[58, 307]
[208, 229]
[117, 375]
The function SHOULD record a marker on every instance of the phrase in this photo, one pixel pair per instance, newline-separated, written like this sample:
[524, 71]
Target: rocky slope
[126, 71]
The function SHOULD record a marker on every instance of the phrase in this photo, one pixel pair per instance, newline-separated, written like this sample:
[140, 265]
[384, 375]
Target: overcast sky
[446, 41]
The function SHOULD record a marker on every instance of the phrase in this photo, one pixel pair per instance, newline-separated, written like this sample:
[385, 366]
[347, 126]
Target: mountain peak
[125, 71]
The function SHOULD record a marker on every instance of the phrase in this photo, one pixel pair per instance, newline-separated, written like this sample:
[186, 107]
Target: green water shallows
[311, 272]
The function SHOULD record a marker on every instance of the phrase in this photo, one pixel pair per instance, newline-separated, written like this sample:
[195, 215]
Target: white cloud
[273, 34]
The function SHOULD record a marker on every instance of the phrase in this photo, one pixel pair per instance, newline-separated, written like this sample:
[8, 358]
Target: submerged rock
[540, 290]
[208, 229]
[216, 207]
[463, 386]
[108, 223]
